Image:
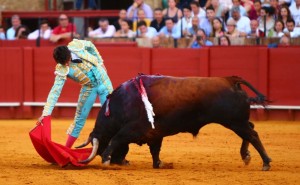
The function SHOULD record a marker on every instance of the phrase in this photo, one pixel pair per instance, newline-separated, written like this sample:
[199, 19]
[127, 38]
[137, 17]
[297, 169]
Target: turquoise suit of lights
[91, 74]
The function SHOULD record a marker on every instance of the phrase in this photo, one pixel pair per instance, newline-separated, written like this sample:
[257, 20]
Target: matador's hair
[61, 54]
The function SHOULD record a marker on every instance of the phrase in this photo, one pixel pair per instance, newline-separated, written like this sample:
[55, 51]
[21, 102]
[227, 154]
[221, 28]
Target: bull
[180, 105]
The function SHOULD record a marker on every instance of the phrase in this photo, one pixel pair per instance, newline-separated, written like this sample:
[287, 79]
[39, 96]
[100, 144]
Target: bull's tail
[259, 99]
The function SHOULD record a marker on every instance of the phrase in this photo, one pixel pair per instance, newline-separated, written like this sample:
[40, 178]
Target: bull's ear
[85, 143]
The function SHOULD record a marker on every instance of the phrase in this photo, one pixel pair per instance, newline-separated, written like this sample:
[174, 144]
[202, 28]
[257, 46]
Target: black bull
[180, 105]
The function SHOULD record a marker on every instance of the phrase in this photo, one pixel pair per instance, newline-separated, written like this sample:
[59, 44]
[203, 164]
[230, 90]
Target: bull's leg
[117, 143]
[245, 153]
[154, 150]
[118, 156]
[249, 134]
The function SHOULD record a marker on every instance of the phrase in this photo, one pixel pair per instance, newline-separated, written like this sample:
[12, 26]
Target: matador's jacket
[90, 73]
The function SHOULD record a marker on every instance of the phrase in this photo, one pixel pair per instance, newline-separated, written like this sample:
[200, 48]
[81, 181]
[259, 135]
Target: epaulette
[61, 70]
[76, 45]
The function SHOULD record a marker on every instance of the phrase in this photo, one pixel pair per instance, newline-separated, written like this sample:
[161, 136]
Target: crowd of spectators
[194, 19]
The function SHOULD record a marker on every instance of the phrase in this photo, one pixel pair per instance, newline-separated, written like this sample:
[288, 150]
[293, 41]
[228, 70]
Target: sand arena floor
[211, 158]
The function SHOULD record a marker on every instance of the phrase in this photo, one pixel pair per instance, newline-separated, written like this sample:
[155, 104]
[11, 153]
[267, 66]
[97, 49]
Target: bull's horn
[85, 143]
[94, 151]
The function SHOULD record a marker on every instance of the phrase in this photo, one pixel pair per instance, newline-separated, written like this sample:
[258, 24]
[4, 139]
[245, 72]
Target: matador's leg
[86, 100]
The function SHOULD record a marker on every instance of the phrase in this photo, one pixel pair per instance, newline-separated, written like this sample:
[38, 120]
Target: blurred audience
[195, 27]
[11, 32]
[44, 31]
[125, 30]
[2, 33]
[199, 40]
[172, 11]
[242, 22]
[295, 12]
[254, 32]
[144, 31]
[139, 4]
[254, 13]
[231, 29]
[141, 17]
[64, 30]
[22, 32]
[197, 10]
[285, 14]
[217, 28]
[91, 4]
[155, 42]
[170, 29]
[224, 41]
[290, 30]
[158, 22]
[266, 20]
[206, 23]
[186, 20]
[104, 30]
[277, 31]
[122, 17]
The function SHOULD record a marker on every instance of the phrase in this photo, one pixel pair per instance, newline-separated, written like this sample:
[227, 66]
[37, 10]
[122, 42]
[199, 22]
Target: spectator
[224, 41]
[199, 40]
[242, 10]
[266, 20]
[170, 29]
[65, 29]
[255, 11]
[277, 31]
[158, 21]
[186, 20]
[11, 32]
[155, 42]
[172, 11]
[44, 31]
[231, 29]
[276, 6]
[284, 14]
[218, 28]
[254, 29]
[290, 30]
[220, 9]
[2, 33]
[225, 3]
[22, 32]
[242, 22]
[139, 4]
[197, 10]
[195, 27]
[295, 12]
[92, 4]
[122, 17]
[104, 30]
[285, 41]
[247, 4]
[207, 22]
[125, 30]
[141, 17]
[144, 31]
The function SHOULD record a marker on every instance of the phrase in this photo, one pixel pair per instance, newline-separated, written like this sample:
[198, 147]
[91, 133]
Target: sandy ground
[211, 158]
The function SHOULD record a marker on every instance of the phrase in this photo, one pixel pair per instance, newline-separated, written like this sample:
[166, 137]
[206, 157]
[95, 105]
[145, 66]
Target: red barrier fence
[27, 74]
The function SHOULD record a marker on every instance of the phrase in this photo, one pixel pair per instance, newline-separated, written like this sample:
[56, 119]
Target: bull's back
[168, 93]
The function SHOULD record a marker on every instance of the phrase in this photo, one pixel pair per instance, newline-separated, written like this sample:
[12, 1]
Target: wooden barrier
[27, 74]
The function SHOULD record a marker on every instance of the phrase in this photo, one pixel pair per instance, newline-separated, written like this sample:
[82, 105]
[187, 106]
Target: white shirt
[151, 32]
[184, 24]
[98, 33]
[10, 34]
[294, 33]
[44, 35]
[243, 24]
[201, 15]
[295, 13]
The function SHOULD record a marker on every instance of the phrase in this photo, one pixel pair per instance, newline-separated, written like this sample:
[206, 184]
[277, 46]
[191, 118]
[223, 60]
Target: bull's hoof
[247, 159]
[106, 163]
[161, 165]
[266, 167]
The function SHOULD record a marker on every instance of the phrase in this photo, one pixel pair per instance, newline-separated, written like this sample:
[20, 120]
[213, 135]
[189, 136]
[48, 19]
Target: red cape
[53, 152]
